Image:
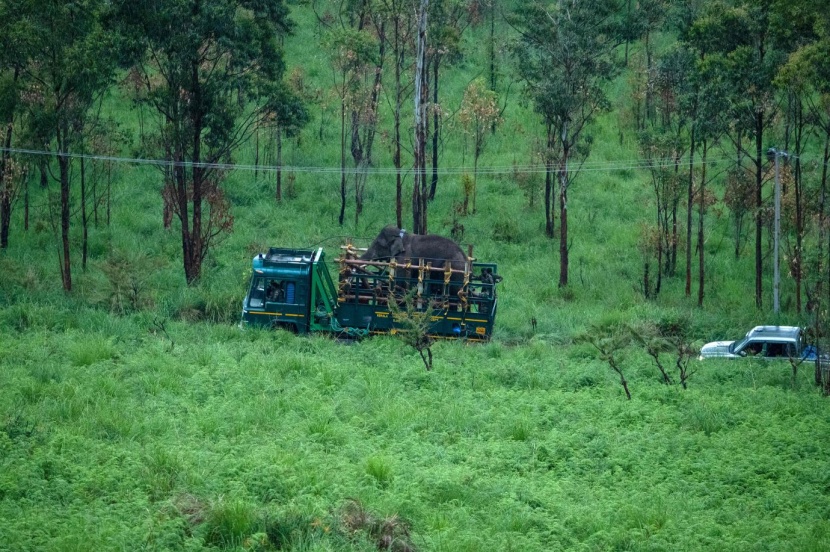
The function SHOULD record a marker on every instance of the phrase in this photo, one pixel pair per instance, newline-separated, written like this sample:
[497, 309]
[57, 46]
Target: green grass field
[136, 415]
[119, 437]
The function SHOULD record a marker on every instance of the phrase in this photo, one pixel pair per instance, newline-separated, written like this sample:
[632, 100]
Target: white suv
[764, 342]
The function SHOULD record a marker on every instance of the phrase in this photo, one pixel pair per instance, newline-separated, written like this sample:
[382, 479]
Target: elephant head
[388, 244]
[393, 242]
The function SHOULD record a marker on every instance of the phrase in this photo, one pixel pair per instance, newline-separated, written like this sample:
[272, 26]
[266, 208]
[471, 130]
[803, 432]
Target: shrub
[389, 533]
[287, 531]
[228, 523]
[380, 470]
[85, 352]
[506, 230]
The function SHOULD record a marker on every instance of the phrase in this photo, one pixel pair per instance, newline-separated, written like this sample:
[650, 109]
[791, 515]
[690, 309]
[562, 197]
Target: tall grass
[499, 444]
[150, 421]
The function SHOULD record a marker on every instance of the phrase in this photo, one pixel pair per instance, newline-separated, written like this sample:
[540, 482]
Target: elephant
[393, 242]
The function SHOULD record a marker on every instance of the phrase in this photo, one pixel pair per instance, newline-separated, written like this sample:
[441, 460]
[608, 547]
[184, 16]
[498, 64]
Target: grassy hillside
[135, 414]
[117, 435]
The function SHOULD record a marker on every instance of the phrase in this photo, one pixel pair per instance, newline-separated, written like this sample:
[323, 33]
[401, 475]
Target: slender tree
[401, 27]
[565, 58]
[71, 62]
[9, 102]
[447, 22]
[210, 68]
[798, 27]
[288, 115]
[813, 61]
[738, 39]
[479, 113]
[354, 52]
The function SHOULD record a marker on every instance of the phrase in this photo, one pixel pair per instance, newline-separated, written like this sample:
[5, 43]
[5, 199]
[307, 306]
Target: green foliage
[258, 439]
[136, 414]
[228, 522]
[506, 230]
[290, 531]
[85, 352]
[380, 470]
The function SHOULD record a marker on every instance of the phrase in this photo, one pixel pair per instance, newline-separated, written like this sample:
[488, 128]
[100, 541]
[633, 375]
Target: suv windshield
[738, 345]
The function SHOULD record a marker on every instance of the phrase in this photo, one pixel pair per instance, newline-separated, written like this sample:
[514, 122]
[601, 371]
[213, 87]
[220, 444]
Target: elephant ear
[396, 246]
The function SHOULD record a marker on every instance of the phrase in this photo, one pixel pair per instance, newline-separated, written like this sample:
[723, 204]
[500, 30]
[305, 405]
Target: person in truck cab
[275, 292]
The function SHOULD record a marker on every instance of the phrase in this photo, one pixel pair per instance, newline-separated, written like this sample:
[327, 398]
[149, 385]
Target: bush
[506, 230]
[228, 523]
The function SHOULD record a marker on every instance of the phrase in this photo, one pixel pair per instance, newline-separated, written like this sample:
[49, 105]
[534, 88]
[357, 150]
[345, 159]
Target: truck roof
[285, 255]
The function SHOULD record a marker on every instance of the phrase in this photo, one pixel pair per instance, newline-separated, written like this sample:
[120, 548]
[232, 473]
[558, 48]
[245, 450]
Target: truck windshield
[257, 294]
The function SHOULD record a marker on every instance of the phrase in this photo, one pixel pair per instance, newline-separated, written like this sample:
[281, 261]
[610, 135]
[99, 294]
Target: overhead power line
[539, 168]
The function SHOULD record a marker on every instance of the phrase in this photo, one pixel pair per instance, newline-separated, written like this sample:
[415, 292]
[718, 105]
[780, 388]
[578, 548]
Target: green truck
[297, 290]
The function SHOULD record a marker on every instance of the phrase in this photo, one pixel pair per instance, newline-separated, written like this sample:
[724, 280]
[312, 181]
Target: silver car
[763, 342]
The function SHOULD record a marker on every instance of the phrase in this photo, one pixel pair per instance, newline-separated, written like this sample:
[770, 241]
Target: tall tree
[804, 26]
[399, 38]
[447, 22]
[11, 58]
[478, 114]
[211, 68]
[71, 62]
[738, 37]
[365, 114]
[565, 58]
[793, 25]
[353, 57]
[288, 115]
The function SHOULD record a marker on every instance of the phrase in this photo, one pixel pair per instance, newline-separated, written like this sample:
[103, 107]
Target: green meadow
[116, 436]
[135, 413]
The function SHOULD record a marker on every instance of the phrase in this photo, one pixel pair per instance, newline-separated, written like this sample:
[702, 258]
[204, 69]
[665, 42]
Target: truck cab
[288, 287]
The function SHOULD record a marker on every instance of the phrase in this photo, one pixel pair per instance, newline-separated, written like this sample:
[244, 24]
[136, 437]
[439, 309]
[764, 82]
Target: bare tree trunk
[492, 46]
[563, 209]
[44, 173]
[84, 221]
[549, 222]
[419, 190]
[823, 234]
[256, 154]
[364, 127]
[627, 12]
[6, 184]
[675, 200]
[475, 178]
[797, 262]
[436, 60]
[701, 212]
[396, 156]
[278, 139]
[63, 167]
[96, 199]
[6, 187]
[689, 202]
[194, 270]
[342, 162]
[109, 193]
[759, 202]
[169, 180]
[26, 205]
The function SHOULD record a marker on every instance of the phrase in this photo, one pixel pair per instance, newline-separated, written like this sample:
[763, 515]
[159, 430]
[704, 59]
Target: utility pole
[775, 154]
